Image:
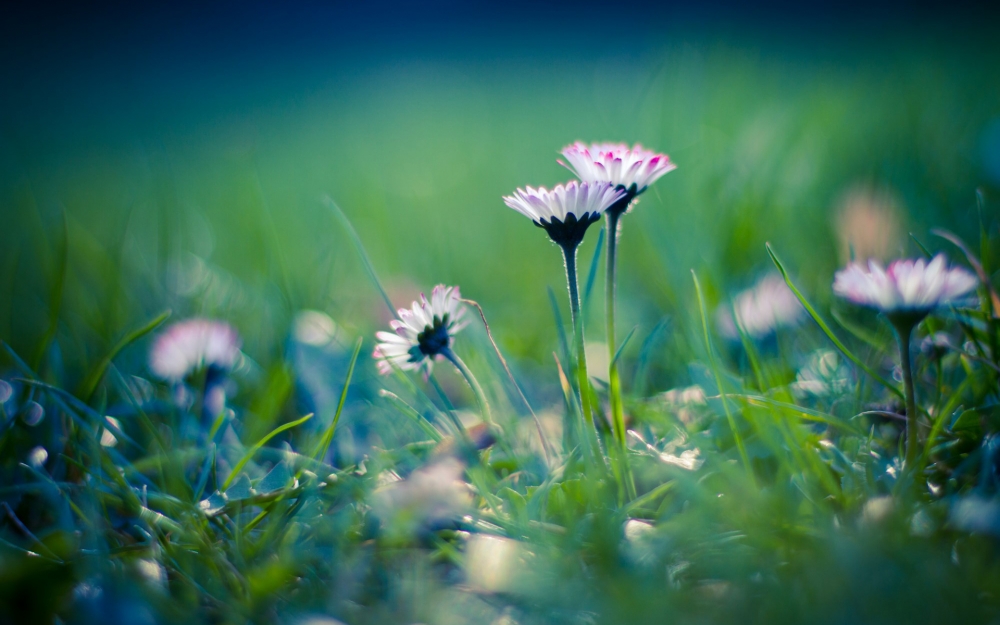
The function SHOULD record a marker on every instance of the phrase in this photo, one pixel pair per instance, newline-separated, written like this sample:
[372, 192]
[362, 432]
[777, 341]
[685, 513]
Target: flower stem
[477, 390]
[614, 379]
[904, 332]
[587, 428]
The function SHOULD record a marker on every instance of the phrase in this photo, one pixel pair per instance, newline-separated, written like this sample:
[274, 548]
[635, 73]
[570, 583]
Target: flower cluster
[630, 169]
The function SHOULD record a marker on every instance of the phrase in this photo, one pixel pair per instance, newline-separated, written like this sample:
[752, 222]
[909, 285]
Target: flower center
[568, 233]
[622, 205]
[433, 340]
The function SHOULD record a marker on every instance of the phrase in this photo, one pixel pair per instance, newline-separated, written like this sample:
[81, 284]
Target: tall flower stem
[614, 379]
[477, 390]
[588, 434]
[904, 331]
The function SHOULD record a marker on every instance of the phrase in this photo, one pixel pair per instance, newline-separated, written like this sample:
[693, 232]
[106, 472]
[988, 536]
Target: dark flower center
[620, 206]
[569, 233]
[432, 341]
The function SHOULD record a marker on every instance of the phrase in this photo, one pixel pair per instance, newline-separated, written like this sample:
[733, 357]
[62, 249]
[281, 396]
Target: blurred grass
[218, 211]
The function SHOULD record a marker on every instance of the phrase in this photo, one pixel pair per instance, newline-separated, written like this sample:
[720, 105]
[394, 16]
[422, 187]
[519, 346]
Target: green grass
[796, 509]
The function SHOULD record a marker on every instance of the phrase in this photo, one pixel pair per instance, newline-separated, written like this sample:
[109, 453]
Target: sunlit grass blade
[628, 337]
[923, 248]
[984, 279]
[324, 444]
[941, 417]
[412, 413]
[253, 450]
[826, 329]
[718, 381]
[356, 240]
[89, 385]
[804, 413]
[546, 446]
[560, 328]
[592, 272]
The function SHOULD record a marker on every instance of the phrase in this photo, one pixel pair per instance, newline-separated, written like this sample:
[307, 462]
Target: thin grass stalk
[477, 390]
[904, 335]
[614, 379]
[587, 428]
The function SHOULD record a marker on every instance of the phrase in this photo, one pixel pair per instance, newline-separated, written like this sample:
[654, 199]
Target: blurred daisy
[431, 496]
[567, 210]
[422, 332]
[869, 224]
[194, 344]
[630, 169]
[907, 286]
[906, 292]
[760, 310]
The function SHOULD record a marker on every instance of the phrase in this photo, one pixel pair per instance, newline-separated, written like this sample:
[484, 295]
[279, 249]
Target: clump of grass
[780, 483]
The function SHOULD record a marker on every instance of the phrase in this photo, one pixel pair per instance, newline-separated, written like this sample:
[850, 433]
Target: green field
[216, 197]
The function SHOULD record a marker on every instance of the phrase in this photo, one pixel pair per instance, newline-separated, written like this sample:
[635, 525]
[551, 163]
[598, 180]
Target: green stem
[904, 334]
[477, 390]
[587, 428]
[614, 379]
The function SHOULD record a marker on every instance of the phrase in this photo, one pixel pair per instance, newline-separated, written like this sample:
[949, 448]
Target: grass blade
[90, 383]
[621, 347]
[356, 240]
[592, 273]
[253, 450]
[718, 381]
[324, 443]
[826, 329]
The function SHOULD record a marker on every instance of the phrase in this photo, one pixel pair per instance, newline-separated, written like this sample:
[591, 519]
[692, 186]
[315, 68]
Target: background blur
[178, 156]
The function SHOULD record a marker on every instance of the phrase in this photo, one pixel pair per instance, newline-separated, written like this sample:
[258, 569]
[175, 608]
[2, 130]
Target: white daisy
[422, 332]
[760, 310]
[632, 169]
[567, 210]
[190, 345]
[907, 286]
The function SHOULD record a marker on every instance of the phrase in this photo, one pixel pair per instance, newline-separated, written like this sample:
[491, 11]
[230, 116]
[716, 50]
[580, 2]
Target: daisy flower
[760, 310]
[630, 169]
[907, 286]
[191, 345]
[567, 210]
[422, 332]
[906, 292]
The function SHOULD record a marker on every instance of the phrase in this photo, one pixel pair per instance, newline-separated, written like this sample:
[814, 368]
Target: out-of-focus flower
[37, 457]
[689, 459]
[33, 413]
[760, 310]
[6, 391]
[936, 345]
[493, 562]
[636, 530]
[567, 210]
[823, 374]
[108, 439]
[312, 327]
[684, 402]
[152, 572]
[191, 345]
[868, 224]
[432, 495]
[907, 286]
[422, 333]
[629, 169]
